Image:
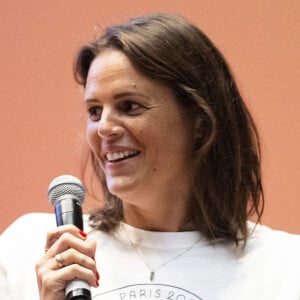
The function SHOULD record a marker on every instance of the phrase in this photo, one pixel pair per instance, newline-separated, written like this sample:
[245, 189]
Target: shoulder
[24, 238]
[30, 223]
[259, 231]
[26, 231]
[33, 224]
[275, 242]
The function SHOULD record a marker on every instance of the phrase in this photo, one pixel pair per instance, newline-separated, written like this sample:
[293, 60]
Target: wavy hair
[227, 187]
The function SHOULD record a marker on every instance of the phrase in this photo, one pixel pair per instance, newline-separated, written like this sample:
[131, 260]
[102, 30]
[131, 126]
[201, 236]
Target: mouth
[119, 156]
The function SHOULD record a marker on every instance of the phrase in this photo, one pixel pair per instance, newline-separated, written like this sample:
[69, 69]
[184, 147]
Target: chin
[119, 189]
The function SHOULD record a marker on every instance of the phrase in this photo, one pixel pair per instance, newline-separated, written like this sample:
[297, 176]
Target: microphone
[66, 193]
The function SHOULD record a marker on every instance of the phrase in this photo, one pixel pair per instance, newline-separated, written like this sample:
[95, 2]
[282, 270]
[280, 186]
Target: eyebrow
[118, 96]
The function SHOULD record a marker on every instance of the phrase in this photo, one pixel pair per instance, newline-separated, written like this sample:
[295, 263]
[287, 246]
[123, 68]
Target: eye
[95, 113]
[130, 107]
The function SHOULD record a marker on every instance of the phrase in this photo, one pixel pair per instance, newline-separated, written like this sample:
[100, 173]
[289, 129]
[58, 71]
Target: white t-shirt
[186, 266]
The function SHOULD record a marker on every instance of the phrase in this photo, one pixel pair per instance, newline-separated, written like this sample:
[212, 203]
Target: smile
[118, 156]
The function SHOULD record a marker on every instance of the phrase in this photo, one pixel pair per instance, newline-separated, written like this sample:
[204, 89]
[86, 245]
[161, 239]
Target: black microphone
[66, 193]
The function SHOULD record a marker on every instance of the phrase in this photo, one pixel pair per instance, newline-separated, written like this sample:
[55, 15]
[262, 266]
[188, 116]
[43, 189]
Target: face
[136, 130]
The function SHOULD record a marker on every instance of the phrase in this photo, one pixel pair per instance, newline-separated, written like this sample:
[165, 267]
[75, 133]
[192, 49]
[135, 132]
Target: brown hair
[227, 185]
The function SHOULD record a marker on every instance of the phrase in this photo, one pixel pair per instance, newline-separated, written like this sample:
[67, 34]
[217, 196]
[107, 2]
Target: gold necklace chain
[154, 269]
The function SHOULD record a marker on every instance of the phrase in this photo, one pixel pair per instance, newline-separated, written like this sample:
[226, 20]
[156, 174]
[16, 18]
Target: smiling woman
[222, 182]
[136, 157]
[178, 156]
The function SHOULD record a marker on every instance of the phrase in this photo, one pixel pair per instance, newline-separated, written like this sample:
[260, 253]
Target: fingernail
[93, 258]
[97, 276]
[83, 234]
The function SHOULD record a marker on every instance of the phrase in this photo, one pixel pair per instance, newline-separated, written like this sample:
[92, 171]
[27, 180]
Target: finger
[56, 280]
[53, 283]
[54, 234]
[72, 256]
[48, 265]
[69, 241]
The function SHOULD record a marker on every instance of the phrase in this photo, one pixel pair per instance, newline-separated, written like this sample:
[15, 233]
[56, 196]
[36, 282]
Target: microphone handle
[68, 211]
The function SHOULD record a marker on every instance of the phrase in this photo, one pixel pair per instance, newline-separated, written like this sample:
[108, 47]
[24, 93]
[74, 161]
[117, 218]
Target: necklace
[155, 268]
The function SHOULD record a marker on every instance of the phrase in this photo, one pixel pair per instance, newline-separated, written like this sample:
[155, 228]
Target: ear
[203, 118]
[199, 131]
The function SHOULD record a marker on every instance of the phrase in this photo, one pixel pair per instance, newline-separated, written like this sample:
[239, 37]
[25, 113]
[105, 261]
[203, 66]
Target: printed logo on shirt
[147, 291]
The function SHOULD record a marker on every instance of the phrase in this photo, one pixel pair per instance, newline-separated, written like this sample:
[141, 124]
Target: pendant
[152, 275]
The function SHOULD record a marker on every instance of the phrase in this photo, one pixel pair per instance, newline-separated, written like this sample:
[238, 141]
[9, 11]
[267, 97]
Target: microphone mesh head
[65, 185]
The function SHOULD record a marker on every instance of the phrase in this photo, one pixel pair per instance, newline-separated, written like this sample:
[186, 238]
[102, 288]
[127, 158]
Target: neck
[163, 207]
[161, 215]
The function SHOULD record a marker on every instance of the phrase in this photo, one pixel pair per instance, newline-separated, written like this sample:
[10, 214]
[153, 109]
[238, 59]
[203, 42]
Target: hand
[69, 255]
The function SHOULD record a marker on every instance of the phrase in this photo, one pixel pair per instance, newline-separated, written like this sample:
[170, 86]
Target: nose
[109, 124]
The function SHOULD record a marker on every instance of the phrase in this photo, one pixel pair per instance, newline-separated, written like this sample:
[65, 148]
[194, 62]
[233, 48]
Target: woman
[178, 156]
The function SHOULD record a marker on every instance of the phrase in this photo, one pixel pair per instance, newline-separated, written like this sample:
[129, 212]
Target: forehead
[110, 63]
[112, 71]
[112, 66]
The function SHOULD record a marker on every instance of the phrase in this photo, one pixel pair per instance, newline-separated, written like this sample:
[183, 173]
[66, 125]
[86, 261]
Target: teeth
[119, 155]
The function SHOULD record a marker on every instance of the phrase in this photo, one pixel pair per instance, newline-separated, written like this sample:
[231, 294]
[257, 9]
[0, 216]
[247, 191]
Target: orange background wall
[41, 119]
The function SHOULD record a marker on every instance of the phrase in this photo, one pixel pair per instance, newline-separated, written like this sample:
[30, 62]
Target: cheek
[176, 138]
[92, 137]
